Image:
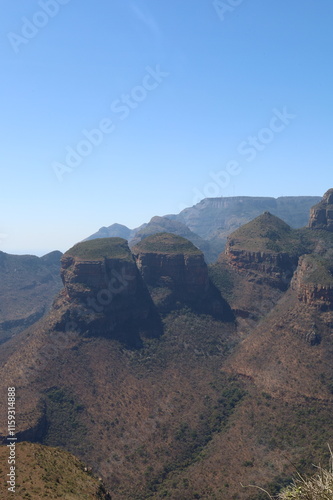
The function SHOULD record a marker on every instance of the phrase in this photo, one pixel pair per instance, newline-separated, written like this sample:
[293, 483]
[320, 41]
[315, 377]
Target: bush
[317, 487]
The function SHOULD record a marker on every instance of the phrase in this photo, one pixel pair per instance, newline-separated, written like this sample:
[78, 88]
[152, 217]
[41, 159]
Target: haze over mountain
[208, 223]
[184, 350]
[171, 379]
[28, 287]
[33, 292]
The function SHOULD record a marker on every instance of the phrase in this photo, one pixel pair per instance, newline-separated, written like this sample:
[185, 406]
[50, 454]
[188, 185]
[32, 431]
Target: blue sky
[161, 102]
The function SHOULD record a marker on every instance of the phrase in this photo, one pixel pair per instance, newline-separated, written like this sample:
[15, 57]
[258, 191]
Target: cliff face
[321, 215]
[313, 283]
[109, 292]
[259, 248]
[83, 278]
[103, 291]
[175, 271]
[184, 274]
[276, 269]
[224, 215]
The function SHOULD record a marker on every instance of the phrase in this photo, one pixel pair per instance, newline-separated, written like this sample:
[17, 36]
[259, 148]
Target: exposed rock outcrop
[321, 215]
[278, 267]
[175, 271]
[260, 248]
[313, 282]
[104, 293]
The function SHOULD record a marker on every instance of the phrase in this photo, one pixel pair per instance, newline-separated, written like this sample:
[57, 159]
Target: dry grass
[50, 473]
[317, 487]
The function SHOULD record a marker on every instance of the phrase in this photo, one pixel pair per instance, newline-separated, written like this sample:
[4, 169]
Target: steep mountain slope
[176, 274]
[28, 287]
[321, 215]
[45, 472]
[104, 293]
[298, 331]
[208, 403]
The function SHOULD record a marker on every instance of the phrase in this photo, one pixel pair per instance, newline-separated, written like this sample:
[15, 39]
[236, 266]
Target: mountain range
[173, 378]
[208, 223]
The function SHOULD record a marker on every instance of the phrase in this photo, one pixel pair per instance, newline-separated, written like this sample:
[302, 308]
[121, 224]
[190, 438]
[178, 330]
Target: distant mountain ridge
[212, 214]
[28, 286]
[208, 223]
[209, 401]
[113, 231]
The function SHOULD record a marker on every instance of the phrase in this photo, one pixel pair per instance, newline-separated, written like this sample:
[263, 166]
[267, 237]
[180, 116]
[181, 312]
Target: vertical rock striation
[321, 215]
[175, 271]
[104, 291]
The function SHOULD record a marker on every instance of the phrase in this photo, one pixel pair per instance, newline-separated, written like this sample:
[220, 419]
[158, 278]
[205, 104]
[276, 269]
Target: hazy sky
[119, 110]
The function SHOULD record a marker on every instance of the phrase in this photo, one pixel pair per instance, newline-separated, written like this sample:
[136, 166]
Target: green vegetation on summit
[166, 243]
[99, 249]
[170, 386]
[266, 233]
[320, 270]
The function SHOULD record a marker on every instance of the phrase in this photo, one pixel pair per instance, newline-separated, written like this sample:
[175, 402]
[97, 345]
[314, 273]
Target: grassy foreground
[316, 487]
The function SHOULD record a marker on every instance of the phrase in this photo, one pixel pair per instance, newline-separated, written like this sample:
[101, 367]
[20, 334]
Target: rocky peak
[176, 271]
[321, 215]
[266, 247]
[104, 293]
[313, 281]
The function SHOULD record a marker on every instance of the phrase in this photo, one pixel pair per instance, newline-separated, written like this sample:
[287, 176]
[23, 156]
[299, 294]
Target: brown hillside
[45, 472]
[207, 404]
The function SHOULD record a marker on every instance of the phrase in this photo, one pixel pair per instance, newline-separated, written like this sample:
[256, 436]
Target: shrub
[317, 487]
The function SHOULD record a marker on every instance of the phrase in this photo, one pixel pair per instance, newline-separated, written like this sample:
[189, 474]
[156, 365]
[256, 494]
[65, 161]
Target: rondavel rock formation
[104, 293]
[268, 250]
[259, 249]
[176, 272]
[113, 291]
[313, 279]
[109, 292]
[314, 288]
[321, 215]
[247, 392]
